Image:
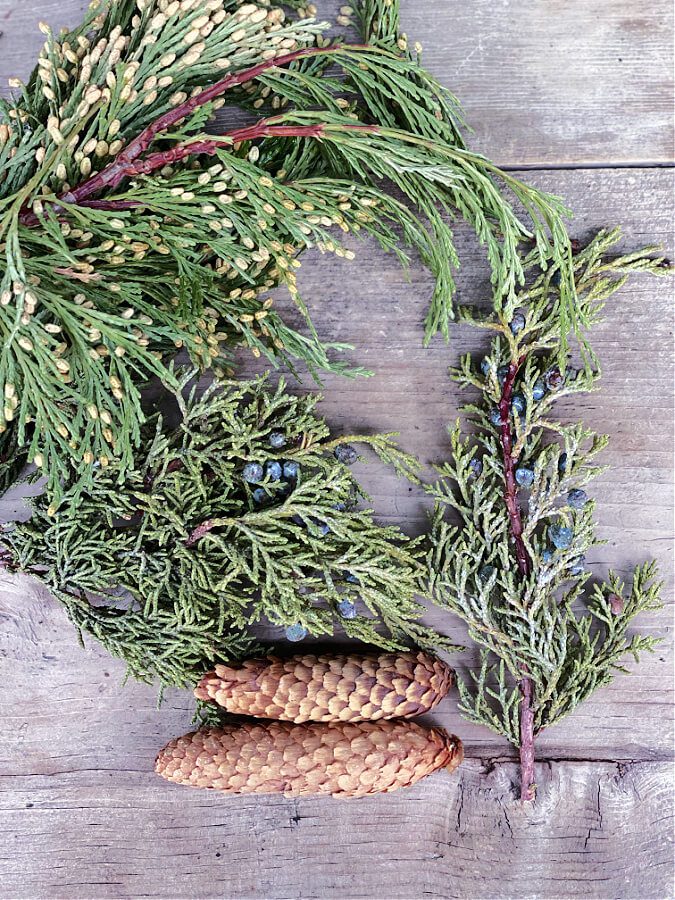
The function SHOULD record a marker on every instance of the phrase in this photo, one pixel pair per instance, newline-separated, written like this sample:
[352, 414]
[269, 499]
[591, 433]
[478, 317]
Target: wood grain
[544, 84]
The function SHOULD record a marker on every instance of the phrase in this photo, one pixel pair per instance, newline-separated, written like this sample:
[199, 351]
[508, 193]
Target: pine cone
[342, 759]
[337, 687]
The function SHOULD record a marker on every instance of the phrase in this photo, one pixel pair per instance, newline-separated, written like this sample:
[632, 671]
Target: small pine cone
[332, 687]
[342, 759]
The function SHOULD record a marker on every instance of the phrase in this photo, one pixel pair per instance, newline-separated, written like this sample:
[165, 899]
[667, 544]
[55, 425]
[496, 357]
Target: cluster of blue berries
[273, 470]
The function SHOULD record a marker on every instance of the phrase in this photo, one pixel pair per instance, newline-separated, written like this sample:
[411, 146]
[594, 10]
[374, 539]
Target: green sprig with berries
[513, 567]
[246, 512]
[129, 231]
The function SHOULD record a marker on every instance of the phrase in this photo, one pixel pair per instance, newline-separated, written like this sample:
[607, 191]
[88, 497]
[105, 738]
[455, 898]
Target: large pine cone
[331, 687]
[342, 759]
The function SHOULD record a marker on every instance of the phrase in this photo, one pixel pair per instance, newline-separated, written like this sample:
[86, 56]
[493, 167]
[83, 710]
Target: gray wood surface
[551, 85]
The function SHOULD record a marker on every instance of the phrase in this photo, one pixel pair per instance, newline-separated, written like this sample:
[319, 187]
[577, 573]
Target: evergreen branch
[245, 511]
[129, 232]
[514, 569]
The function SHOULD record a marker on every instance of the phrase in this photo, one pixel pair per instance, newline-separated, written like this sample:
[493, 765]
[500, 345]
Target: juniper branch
[515, 566]
[242, 512]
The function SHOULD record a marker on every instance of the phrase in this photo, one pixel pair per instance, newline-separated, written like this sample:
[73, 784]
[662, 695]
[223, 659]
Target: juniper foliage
[127, 231]
[511, 563]
[170, 563]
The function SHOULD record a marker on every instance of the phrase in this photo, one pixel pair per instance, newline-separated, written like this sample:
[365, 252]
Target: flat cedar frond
[129, 232]
[514, 570]
[245, 512]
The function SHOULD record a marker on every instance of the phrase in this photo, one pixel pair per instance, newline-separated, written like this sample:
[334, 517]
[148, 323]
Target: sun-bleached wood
[82, 814]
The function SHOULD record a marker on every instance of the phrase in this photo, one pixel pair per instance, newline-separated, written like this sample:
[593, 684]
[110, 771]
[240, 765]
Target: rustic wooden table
[579, 94]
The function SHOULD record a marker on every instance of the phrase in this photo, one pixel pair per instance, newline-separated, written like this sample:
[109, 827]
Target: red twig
[113, 173]
[510, 486]
[262, 129]
[111, 204]
[201, 529]
[527, 781]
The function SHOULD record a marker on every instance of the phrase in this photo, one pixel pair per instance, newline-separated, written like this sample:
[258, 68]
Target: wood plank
[111, 831]
[542, 83]
[565, 81]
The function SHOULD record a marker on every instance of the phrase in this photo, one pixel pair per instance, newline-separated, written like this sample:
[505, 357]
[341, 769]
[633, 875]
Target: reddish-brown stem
[201, 529]
[262, 129]
[527, 781]
[111, 204]
[510, 485]
[112, 174]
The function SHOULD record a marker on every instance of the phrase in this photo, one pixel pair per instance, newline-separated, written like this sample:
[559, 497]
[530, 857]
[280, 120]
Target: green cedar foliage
[170, 563]
[533, 615]
[127, 231]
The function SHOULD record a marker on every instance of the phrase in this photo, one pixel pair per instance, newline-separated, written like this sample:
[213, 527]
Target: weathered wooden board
[543, 83]
[556, 82]
[82, 815]
[598, 830]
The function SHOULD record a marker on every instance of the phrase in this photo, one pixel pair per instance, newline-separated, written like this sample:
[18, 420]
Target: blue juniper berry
[547, 555]
[475, 467]
[253, 473]
[518, 403]
[525, 476]
[259, 496]
[485, 365]
[277, 439]
[502, 372]
[347, 609]
[346, 454]
[273, 470]
[560, 536]
[290, 469]
[577, 498]
[352, 579]
[296, 632]
[538, 389]
[517, 323]
[562, 463]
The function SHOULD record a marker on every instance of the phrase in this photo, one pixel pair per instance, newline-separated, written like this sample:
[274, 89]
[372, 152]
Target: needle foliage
[170, 563]
[510, 559]
[127, 231]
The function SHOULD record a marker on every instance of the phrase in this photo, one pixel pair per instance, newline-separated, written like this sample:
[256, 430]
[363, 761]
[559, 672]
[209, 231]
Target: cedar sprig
[171, 563]
[129, 232]
[512, 561]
